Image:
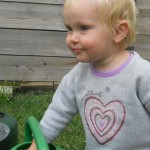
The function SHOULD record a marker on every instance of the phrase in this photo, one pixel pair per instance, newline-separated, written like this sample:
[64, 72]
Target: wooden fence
[143, 28]
[32, 39]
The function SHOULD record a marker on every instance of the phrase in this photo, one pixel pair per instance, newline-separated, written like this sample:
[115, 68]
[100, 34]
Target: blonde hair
[111, 12]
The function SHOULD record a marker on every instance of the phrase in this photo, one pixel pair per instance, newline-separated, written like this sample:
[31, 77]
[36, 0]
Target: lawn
[22, 105]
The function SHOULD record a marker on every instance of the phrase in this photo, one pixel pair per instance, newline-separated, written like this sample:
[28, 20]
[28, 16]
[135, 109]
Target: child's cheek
[88, 43]
[68, 43]
[92, 46]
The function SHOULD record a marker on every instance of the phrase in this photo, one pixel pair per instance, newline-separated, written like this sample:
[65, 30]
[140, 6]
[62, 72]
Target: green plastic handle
[32, 127]
[33, 130]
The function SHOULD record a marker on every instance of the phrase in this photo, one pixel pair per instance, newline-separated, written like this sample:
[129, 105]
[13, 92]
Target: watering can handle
[32, 127]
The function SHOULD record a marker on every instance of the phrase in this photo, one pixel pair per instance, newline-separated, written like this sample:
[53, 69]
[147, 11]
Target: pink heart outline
[103, 122]
[114, 110]
[109, 128]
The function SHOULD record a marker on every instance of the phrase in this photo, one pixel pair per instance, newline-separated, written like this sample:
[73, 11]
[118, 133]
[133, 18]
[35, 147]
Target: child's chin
[83, 60]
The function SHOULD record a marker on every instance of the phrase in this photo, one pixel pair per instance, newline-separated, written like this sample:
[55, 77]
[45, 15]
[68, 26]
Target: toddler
[110, 86]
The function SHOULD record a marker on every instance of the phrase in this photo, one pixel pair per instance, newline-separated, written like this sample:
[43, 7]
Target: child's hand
[32, 146]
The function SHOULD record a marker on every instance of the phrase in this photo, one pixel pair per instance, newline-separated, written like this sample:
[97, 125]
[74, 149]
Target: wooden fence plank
[41, 63]
[144, 13]
[37, 1]
[31, 42]
[34, 24]
[143, 26]
[143, 40]
[31, 16]
[12, 10]
[36, 75]
[143, 4]
[21, 68]
[143, 46]
[144, 53]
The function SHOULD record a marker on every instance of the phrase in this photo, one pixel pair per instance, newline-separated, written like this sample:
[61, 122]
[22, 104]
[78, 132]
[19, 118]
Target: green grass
[23, 105]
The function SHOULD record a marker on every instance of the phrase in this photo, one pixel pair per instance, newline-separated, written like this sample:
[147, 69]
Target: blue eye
[84, 28]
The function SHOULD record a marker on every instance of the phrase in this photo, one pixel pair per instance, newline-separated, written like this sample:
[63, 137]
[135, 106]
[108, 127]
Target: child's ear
[121, 31]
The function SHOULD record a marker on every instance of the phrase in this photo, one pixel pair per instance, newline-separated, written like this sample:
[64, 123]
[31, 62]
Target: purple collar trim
[113, 72]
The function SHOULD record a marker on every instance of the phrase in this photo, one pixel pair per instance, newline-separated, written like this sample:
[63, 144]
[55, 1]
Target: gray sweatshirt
[114, 106]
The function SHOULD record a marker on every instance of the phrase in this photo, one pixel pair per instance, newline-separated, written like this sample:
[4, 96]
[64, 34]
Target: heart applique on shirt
[104, 121]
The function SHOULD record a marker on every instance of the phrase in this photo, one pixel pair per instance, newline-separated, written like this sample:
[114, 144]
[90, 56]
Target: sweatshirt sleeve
[60, 111]
[143, 87]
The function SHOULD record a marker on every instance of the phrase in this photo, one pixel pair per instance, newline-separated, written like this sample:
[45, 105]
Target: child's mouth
[77, 50]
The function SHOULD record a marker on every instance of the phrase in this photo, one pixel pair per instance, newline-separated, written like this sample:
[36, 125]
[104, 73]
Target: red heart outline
[114, 110]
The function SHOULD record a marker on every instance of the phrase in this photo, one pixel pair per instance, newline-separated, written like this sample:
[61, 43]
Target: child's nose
[75, 37]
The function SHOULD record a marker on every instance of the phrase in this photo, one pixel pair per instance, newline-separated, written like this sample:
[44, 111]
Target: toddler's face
[87, 37]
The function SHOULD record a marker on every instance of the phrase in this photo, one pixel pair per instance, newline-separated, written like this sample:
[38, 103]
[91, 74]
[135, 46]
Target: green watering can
[32, 128]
